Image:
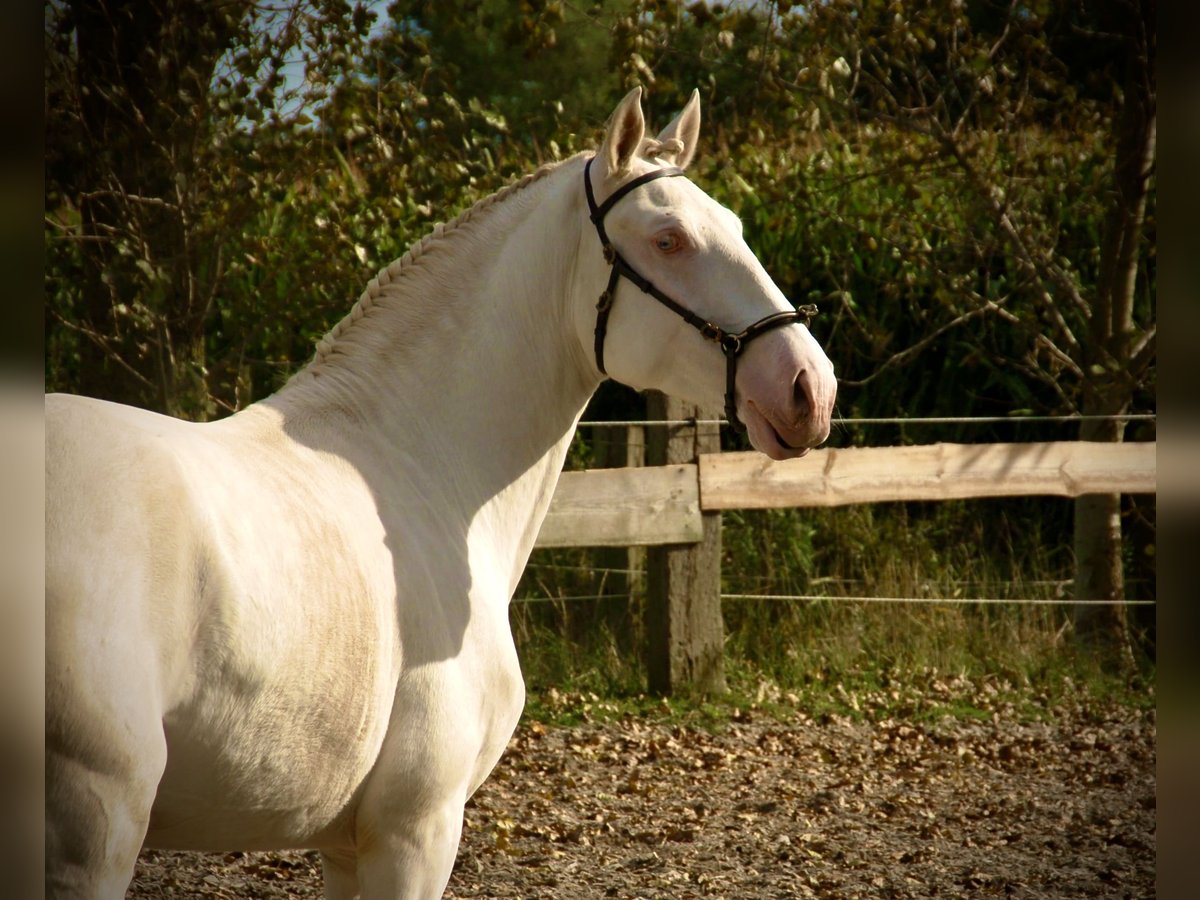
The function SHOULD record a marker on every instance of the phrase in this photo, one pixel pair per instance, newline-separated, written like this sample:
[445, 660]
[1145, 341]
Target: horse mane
[377, 286]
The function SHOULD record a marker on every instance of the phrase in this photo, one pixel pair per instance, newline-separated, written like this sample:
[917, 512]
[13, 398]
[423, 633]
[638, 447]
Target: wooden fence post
[685, 633]
[616, 581]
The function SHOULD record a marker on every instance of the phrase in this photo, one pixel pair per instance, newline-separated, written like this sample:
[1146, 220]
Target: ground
[991, 801]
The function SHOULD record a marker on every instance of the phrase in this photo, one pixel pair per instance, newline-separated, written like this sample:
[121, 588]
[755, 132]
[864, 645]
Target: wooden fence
[673, 507]
[664, 504]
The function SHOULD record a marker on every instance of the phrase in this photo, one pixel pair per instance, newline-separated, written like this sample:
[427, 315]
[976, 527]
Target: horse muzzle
[785, 418]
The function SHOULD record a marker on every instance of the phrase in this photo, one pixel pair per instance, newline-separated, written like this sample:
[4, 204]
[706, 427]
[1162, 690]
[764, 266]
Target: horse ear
[623, 137]
[686, 130]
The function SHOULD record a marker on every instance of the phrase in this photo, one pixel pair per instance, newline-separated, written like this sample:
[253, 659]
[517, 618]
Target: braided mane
[412, 257]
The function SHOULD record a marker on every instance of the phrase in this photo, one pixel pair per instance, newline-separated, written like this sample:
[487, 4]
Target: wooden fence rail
[664, 504]
[674, 509]
[627, 507]
[929, 472]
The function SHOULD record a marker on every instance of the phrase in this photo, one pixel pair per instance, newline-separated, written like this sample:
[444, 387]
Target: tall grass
[922, 551]
[1012, 549]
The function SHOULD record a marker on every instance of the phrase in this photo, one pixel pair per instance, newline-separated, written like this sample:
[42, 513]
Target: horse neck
[464, 371]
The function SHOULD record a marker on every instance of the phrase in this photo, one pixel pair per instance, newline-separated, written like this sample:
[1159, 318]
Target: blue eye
[667, 243]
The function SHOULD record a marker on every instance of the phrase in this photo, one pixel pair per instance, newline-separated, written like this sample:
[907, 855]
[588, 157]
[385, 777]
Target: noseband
[731, 344]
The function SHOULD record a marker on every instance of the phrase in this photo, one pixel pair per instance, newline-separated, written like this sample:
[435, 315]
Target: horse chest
[398, 669]
[281, 729]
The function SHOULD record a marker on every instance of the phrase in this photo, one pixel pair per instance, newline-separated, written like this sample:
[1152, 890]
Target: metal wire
[597, 570]
[545, 599]
[950, 600]
[958, 601]
[929, 420]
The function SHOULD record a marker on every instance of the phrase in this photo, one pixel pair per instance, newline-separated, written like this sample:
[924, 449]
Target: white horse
[289, 628]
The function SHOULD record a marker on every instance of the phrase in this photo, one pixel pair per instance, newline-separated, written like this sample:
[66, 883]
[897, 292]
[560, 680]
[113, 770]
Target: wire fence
[956, 601]
[1060, 585]
[853, 598]
[894, 420]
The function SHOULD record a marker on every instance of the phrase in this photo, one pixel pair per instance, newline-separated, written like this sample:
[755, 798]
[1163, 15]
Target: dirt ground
[783, 806]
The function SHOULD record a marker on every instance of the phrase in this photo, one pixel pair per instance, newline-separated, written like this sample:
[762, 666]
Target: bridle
[731, 344]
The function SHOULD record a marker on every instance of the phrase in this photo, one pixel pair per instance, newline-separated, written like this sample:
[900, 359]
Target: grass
[923, 696]
[583, 659]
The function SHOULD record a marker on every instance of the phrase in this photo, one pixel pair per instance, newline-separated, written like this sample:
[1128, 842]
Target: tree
[966, 187]
[969, 183]
[1119, 351]
[985, 102]
[156, 136]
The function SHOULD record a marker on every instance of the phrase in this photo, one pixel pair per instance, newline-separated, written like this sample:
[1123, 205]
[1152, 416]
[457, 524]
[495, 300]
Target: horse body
[289, 628]
[223, 646]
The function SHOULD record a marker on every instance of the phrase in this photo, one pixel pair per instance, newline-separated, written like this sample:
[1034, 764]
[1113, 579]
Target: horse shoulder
[298, 581]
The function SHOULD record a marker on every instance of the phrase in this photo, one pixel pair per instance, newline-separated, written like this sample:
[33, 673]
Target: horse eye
[667, 243]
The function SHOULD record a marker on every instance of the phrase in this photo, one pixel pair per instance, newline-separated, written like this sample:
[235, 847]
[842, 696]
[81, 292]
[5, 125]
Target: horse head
[720, 328]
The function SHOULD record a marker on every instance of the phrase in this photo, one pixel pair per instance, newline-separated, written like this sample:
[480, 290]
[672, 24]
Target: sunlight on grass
[837, 656]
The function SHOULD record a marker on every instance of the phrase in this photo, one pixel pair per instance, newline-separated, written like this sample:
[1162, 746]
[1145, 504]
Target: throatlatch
[732, 344]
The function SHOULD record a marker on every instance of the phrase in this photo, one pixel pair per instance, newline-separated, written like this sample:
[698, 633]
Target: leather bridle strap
[614, 259]
[731, 344]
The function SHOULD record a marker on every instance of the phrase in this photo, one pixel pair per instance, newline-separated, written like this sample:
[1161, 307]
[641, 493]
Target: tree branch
[1040, 271]
[908, 353]
[102, 342]
[1142, 353]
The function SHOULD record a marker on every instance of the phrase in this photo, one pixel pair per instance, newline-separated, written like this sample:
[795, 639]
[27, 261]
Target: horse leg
[105, 754]
[412, 861]
[97, 809]
[340, 871]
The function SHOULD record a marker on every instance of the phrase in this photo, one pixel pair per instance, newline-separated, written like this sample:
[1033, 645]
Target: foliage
[171, 164]
[995, 549]
[940, 178]
[865, 150]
